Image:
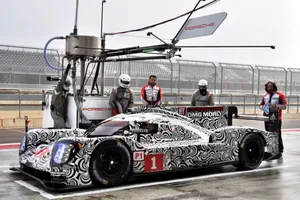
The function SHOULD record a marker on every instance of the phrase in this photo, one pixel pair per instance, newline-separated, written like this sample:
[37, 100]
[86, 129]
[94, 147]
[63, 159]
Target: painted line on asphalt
[9, 150]
[5, 166]
[290, 130]
[51, 196]
[10, 171]
[6, 146]
[34, 189]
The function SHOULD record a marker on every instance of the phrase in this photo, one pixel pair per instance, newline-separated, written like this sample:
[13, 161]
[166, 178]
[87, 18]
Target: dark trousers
[279, 137]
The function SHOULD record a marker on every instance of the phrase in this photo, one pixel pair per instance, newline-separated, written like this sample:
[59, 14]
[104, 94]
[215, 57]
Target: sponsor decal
[140, 130]
[154, 162]
[199, 26]
[199, 112]
[204, 114]
[182, 110]
[41, 153]
[138, 156]
[58, 173]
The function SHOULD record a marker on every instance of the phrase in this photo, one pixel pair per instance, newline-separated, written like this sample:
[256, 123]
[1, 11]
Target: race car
[148, 140]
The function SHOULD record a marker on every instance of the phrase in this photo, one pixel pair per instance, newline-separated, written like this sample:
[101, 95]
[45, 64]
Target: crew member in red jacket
[151, 94]
[272, 99]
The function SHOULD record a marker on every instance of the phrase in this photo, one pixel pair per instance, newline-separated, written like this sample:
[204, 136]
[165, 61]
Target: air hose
[45, 51]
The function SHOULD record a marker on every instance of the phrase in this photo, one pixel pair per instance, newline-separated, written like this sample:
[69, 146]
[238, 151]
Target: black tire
[110, 163]
[251, 152]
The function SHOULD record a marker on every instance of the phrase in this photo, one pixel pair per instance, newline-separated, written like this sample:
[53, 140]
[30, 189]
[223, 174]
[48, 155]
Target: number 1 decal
[154, 162]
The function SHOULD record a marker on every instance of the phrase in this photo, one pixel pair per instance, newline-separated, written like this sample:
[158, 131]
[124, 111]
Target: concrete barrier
[20, 123]
[11, 114]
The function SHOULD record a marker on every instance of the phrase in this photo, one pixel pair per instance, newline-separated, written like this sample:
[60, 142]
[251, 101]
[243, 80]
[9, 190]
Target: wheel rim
[110, 164]
[253, 153]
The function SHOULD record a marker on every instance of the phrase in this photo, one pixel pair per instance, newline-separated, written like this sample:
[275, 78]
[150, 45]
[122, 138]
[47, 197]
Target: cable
[245, 46]
[84, 77]
[137, 36]
[90, 74]
[187, 19]
[163, 22]
[85, 80]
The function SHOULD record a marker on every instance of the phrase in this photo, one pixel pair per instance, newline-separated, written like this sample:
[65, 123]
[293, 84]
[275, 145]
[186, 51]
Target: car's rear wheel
[251, 152]
[110, 163]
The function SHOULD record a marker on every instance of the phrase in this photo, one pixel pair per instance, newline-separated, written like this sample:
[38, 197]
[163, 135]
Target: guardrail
[12, 91]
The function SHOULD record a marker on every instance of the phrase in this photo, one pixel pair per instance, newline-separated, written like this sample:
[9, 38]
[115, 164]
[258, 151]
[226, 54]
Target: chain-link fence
[190, 72]
[237, 78]
[277, 74]
[24, 67]
[294, 83]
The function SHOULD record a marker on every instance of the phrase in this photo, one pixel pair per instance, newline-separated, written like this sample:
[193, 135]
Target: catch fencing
[25, 67]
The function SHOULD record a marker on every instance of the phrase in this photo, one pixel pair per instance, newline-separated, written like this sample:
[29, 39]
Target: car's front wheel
[110, 163]
[251, 152]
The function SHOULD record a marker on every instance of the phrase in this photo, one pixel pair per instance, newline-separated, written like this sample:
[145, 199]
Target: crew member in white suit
[202, 97]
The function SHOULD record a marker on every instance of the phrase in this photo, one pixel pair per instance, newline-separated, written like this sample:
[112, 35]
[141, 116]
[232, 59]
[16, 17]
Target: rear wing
[272, 118]
[214, 117]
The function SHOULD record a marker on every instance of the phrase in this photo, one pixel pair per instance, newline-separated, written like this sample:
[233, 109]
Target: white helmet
[67, 83]
[202, 82]
[124, 80]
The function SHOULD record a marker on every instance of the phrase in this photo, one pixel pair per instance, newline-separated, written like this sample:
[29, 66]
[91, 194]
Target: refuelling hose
[45, 51]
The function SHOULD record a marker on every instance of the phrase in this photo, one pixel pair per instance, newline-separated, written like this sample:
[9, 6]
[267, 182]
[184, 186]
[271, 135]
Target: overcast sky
[255, 22]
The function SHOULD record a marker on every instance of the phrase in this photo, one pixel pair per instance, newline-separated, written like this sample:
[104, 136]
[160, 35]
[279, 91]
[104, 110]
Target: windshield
[108, 128]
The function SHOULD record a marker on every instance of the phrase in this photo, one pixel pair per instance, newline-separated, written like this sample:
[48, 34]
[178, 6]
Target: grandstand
[25, 67]
[137, 69]
[25, 61]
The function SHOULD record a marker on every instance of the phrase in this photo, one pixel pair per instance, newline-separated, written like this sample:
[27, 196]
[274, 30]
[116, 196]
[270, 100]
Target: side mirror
[152, 128]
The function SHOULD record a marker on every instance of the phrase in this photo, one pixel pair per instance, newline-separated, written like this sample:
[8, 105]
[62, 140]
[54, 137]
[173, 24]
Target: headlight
[23, 144]
[63, 151]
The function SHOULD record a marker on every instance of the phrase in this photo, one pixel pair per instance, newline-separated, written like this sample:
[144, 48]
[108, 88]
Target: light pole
[115, 73]
[102, 50]
[103, 1]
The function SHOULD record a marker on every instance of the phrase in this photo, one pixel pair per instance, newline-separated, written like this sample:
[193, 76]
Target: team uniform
[123, 96]
[279, 100]
[59, 101]
[202, 97]
[151, 95]
[202, 100]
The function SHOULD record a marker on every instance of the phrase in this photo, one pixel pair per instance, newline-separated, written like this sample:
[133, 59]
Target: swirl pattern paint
[181, 142]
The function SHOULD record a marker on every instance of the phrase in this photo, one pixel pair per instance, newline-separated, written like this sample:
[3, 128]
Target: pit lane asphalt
[277, 179]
